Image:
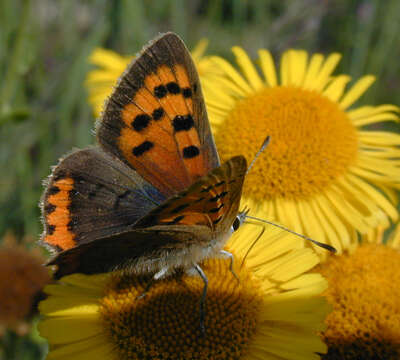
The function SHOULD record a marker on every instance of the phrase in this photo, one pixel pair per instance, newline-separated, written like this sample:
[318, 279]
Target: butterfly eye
[236, 224]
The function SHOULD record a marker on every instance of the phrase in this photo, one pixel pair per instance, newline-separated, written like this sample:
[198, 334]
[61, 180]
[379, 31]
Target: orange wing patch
[57, 214]
[159, 138]
[204, 205]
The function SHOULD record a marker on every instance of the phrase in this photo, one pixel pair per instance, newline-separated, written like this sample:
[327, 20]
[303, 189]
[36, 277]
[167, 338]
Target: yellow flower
[101, 81]
[365, 295]
[272, 311]
[323, 174]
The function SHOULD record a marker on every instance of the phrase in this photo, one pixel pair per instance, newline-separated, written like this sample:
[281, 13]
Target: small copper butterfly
[152, 196]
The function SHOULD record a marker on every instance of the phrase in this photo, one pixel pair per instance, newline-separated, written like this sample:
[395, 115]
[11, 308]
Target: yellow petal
[247, 68]
[313, 70]
[315, 228]
[97, 348]
[66, 330]
[68, 306]
[268, 67]
[109, 59]
[366, 111]
[326, 70]
[298, 65]
[356, 91]
[332, 236]
[331, 215]
[369, 175]
[199, 49]
[302, 344]
[379, 138]
[233, 74]
[381, 201]
[376, 118]
[91, 282]
[285, 309]
[293, 264]
[285, 68]
[60, 291]
[335, 89]
[346, 209]
[98, 77]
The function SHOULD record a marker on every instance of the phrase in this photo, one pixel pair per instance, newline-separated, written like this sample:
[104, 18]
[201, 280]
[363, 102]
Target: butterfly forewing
[156, 122]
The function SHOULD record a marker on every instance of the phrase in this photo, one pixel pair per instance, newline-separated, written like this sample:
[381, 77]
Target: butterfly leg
[146, 289]
[203, 297]
[230, 256]
[157, 276]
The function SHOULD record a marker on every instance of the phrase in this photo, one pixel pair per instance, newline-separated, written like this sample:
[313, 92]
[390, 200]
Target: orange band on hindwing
[57, 214]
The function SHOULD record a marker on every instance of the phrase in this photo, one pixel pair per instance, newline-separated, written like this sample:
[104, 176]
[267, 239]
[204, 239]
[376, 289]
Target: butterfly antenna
[322, 245]
[254, 242]
[262, 148]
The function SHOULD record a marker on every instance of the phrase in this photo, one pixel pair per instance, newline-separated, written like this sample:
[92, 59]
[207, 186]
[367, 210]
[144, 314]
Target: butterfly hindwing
[91, 195]
[212, 201]
[179, 232]
[156, 122]
[137, 250]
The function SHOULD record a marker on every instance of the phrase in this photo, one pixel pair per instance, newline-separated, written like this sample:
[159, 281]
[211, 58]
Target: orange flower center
[165, 323]
[312, 141]
[365, 294]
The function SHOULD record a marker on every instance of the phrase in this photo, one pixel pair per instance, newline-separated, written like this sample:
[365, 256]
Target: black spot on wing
[73, 222]
[207, 189]
[142, 148]
[182, 123]
[53, 190]
[190, 152]
[219, 196]
[61, 174]
[173, 88]
[179, 208]
[187, 92]
[158, 113]
[160, 91]
[160, 208]
[50, 229]
[141, 122]
[215, 210]
[49, 208]
[176, 220]
[216, 221]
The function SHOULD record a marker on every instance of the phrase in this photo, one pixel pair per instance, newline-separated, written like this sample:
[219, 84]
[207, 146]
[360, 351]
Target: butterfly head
[239, 219]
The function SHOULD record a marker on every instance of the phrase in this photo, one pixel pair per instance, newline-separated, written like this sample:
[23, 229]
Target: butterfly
[151, 196]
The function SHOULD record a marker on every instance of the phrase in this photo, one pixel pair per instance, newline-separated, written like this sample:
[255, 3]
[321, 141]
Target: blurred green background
[44, 46]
